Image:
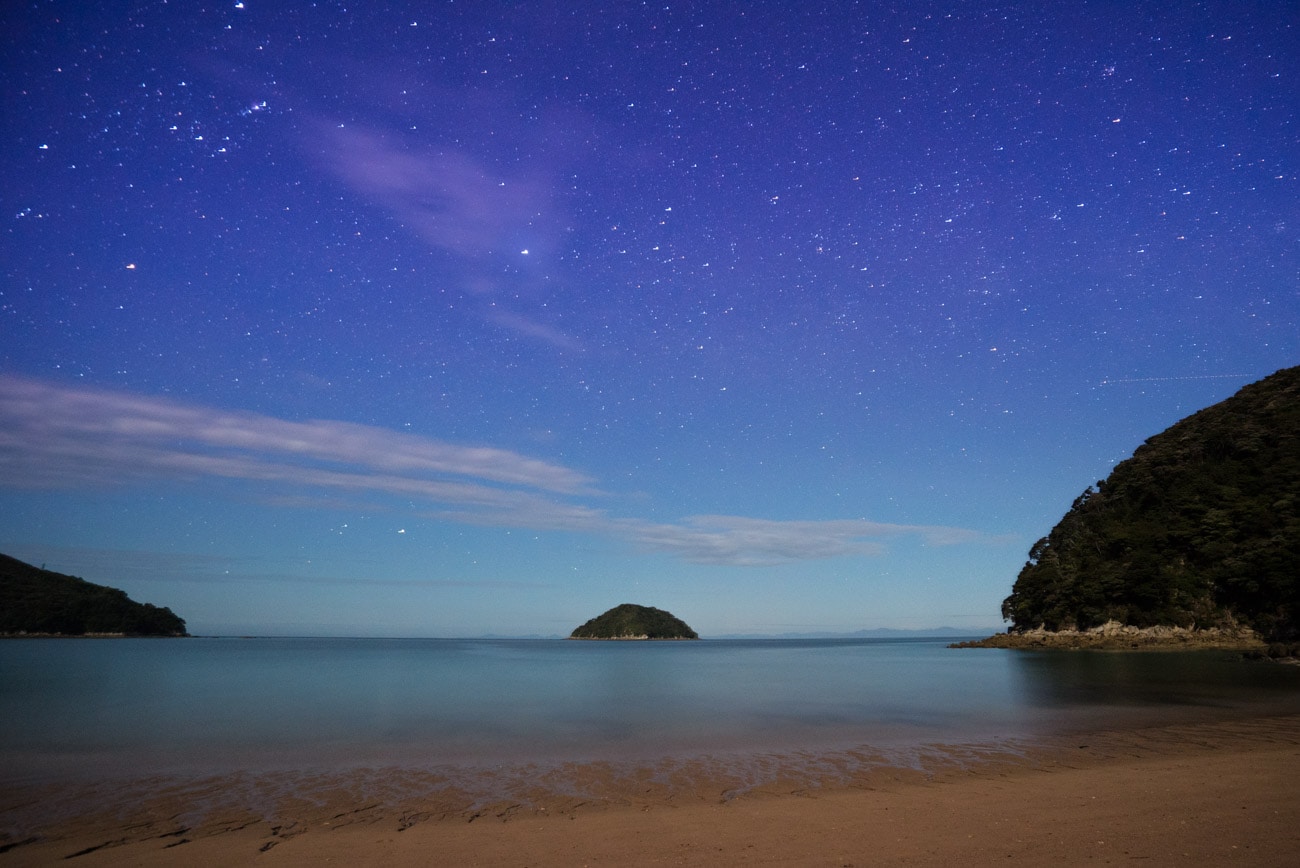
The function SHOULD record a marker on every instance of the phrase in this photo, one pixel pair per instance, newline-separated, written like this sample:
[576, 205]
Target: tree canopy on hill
[630, 621]
[1200, 527]
[33, 600]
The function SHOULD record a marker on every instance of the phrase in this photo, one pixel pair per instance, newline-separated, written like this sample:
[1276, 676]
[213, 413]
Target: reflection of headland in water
[1166, 687]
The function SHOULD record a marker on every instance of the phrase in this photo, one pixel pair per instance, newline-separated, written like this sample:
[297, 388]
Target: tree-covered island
[1194, 540]
[38, 602]
[630, 621]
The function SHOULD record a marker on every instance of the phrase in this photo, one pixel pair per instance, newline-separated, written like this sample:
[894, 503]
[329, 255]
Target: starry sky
[465, 318]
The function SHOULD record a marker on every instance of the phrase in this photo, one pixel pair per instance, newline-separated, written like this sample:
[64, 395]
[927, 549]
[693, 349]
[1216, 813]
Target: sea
[79, 708]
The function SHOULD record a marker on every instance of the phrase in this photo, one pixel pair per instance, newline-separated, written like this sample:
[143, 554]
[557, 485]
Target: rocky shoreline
[629, 638]
[1114, 636]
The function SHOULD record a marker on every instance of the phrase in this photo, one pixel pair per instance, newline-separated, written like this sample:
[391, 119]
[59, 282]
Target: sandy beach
[1215, 793]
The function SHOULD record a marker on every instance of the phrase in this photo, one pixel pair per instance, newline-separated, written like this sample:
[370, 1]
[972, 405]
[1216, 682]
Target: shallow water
[77, 709]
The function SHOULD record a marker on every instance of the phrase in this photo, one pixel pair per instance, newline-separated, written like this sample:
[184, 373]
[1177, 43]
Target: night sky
[456, 318]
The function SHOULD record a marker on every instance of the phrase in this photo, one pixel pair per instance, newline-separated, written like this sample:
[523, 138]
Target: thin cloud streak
[172, 568]
[737, 541]
[722, 540]
[122, 432]
[59, 437]
[533, 329]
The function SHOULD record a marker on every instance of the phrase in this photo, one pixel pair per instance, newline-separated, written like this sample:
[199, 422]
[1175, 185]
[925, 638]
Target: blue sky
[451, 319]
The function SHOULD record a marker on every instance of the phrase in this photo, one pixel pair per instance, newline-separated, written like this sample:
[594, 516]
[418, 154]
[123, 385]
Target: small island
[39, 602]
[630, 621]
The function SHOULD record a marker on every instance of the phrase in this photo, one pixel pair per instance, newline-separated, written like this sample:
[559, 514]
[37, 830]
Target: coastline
[631, 639]
[1113, 636]
[91, 636]
[1212, 792]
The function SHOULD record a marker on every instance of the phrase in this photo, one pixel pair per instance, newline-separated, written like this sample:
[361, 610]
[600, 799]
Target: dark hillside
[33, 600]
[1199, 528]
[630, 621]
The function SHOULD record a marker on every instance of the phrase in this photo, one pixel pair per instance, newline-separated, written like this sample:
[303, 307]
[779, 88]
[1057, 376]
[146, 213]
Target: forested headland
[1199, 529]
[39, 602]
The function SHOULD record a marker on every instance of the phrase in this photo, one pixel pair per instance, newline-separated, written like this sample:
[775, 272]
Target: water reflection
[1111, 685]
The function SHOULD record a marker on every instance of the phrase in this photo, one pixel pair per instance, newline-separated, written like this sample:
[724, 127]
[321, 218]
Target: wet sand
[1214, 793]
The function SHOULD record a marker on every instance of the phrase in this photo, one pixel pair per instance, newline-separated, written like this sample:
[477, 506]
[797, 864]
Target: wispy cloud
[534, 329]
[723, 540]
[448, 198]
[735, 540]
[52, 433]
[59, 436]
[460, 204]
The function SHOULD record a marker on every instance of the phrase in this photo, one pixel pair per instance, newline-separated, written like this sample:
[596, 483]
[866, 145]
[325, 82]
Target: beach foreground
[1214, 793]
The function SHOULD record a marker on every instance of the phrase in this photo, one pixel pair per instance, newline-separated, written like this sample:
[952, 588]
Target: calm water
[76, 707]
